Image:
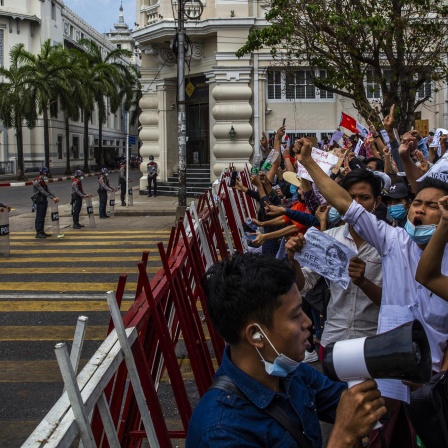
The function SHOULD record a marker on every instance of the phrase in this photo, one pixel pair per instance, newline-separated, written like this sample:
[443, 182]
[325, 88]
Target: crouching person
[254, 304]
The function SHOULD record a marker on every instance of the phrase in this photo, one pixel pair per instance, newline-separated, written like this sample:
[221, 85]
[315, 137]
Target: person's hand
[56, 199]
[259, 240]
[255, 179]
[294, 244]
[322, 212]
[257, 223]
[238, 185]
[280, 133]
[408, 144]
[424, 165]
[356, 270]
[274, 210]
[359, 409]
[372, 128]
[389, 120]
[416, 134]
[386, 151]
[304, 150]
[443, 207]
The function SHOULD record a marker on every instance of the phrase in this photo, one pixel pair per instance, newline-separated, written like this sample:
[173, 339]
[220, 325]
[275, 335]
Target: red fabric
[301, 207]
[348, 122]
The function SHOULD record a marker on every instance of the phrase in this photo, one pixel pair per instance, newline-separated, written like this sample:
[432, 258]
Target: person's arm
[278, 221]
[412, 172]
[307, 219]
[329, 189]
[429, 270]
[356, 271]
[387, 162]
[277, 143]
[262, 237]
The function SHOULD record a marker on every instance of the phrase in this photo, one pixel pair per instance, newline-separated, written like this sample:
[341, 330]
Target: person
[77, 197]
[41, 193]
[122, 183]
[398, 202]
[351, 312]
[429, 269]
[152, 170]
[254, 304]
[3, 205]
[103, 188]
[403, 299]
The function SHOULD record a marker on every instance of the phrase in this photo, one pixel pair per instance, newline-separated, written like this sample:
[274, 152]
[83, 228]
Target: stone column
[149, 133]
[232, 95]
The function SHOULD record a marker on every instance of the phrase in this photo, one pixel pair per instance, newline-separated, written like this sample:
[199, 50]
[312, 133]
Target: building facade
[32, 22]
[249, 94]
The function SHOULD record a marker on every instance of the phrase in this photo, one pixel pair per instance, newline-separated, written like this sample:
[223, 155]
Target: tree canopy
[401, 45]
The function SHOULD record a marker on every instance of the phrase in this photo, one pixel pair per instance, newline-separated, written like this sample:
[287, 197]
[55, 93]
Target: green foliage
[403, 42]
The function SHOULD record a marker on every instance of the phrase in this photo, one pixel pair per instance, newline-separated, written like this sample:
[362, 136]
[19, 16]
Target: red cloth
[348, 122]
[301, 207]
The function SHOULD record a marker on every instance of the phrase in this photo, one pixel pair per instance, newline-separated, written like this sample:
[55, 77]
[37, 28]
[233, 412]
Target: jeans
[102, 194]
[152, 180]
[41, 211]
[76, 209]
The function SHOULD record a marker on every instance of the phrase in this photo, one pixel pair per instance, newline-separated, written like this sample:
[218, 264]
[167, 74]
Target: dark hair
[341, 254]
[360, 175]
[379, 163]
[431, 182]
[245, 288]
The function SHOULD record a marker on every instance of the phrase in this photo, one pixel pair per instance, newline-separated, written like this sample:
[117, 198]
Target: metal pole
[127, 159]
[181, 114]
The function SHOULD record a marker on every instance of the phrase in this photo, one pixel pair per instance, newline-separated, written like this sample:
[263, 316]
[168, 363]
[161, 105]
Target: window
[295, 85]
[373, 87]
[275, 85]
[59, 146]
[53, 11]
[1, 46]
[425, 91]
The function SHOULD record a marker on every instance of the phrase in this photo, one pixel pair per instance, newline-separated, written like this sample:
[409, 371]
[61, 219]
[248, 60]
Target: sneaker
[46, 234]
[40, 235]
[311, 356]
[81, 225]
[76, 226]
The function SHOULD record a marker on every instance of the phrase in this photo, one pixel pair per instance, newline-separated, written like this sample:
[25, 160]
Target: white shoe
[311, 356]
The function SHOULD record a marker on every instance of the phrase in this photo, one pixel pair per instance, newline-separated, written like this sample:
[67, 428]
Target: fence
[113, 401]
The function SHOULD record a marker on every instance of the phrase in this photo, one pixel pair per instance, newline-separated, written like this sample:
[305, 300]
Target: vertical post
[4, 232]
[181, 114]
[126, 117]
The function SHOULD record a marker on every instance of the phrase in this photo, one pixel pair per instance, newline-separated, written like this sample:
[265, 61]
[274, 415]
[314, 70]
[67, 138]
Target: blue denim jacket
[222, 419]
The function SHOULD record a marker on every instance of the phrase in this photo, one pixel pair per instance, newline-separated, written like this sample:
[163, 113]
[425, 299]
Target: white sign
[438, 171]
[326, 256]
[385, 136]
[362, 130]
[358, 147]
[324, 159]
[436, 139]
[337, 135]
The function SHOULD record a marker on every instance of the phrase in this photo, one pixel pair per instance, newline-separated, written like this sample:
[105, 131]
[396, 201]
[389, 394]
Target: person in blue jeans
[254, 304]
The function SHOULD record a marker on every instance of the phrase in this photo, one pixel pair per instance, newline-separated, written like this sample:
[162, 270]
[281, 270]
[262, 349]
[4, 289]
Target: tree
[52, 74]
[17, 100]
[400, 44]
[106, 76]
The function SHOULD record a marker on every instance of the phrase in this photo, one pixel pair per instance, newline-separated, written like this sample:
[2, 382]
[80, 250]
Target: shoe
[76, 226]
[40, 235]
[311, 356]
[81, 225]
[149, 195]
[123, 204]
[46, 234]
[155, 195]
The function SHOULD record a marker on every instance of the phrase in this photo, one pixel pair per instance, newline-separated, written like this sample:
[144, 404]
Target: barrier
[111, 202]
[4, 232]
[90, 213]
[55, 220]
[118, 386]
